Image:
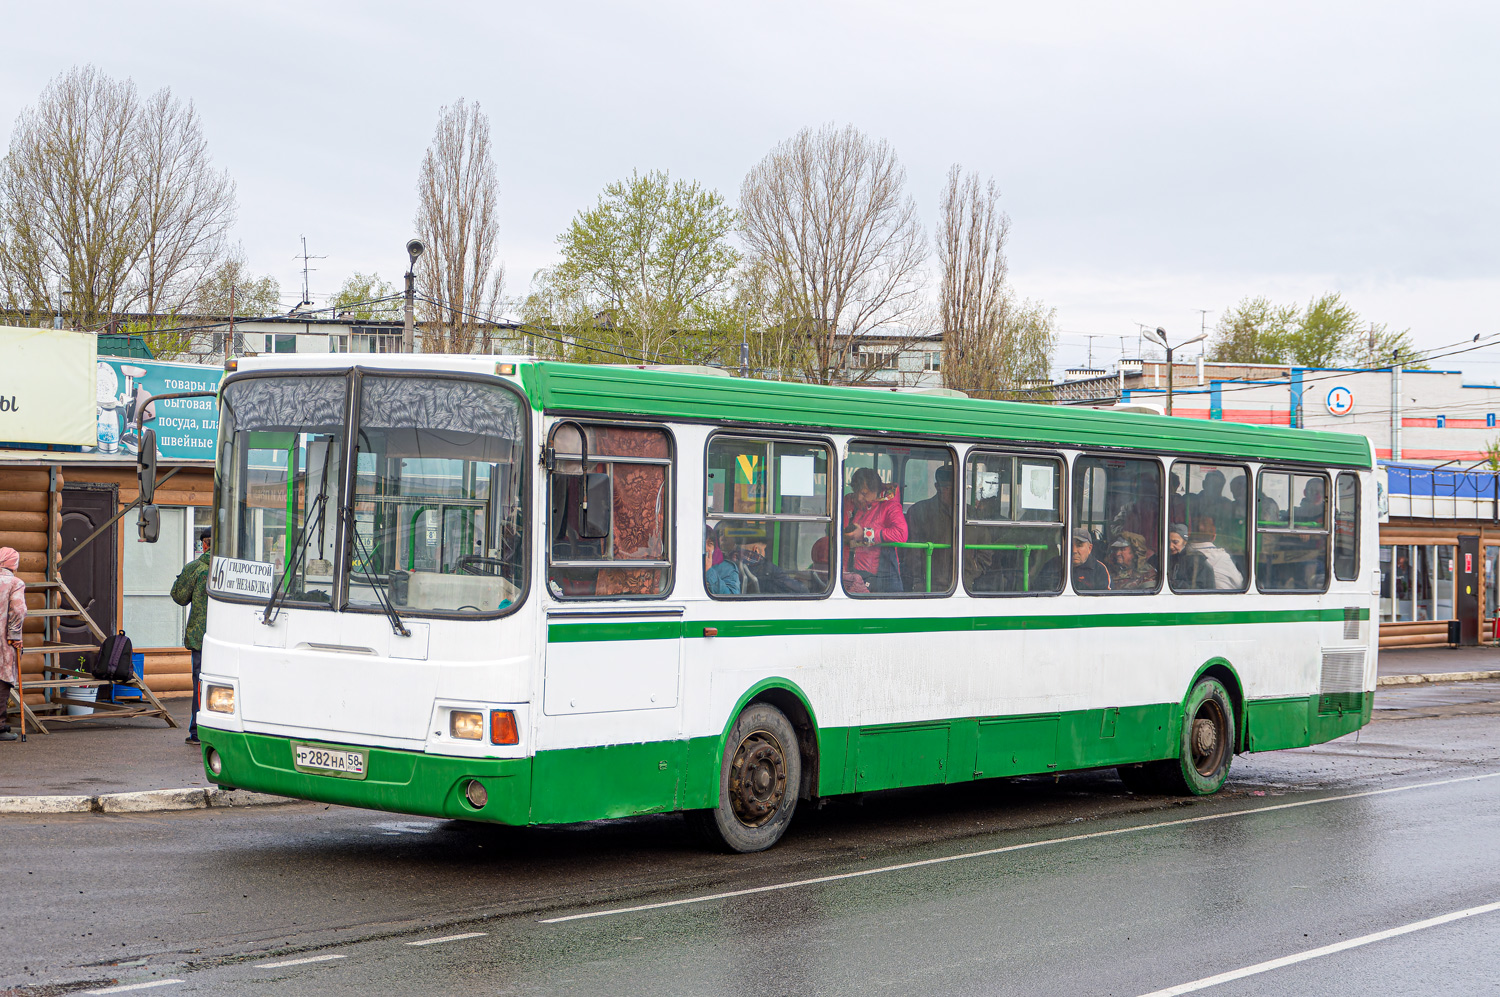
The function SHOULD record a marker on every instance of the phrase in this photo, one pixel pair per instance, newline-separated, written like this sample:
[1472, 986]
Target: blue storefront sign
[186, 428]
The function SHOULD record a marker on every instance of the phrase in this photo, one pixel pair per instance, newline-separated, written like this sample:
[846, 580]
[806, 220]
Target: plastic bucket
[81, 711]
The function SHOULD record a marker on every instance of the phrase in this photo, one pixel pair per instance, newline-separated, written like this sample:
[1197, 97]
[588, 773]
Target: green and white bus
[535, 593]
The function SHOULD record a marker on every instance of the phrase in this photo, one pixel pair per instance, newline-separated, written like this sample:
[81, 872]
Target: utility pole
[745, 343]
[414, 249]
[1396, 405]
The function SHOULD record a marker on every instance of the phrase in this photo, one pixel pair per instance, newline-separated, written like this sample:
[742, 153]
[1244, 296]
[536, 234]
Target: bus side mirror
[596, 510]
[149, 524]
[145, 466]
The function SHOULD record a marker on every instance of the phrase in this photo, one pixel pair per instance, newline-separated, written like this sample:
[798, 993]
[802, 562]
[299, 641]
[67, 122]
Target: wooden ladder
[58, 679]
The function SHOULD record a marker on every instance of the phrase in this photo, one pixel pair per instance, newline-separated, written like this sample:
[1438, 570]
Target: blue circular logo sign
[1340, 401]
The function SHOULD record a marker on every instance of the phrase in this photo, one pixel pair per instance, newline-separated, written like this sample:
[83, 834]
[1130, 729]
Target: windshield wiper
[365, 557]
[273, 607]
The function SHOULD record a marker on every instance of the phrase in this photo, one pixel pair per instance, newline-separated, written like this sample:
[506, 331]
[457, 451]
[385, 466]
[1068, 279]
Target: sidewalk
[1438, 664]
[117, 766]
[88, 762]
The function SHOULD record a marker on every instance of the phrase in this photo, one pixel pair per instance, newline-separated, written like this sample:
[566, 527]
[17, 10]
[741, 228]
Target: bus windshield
[433, 523]
[437, 486]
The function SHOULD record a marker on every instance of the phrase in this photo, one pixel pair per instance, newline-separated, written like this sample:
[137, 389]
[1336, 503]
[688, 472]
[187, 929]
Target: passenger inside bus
[1088, 573]
[1223, 572]
[1187, 570]
[930, 521]
[872, 517]
[1130, 567]
[720, 577]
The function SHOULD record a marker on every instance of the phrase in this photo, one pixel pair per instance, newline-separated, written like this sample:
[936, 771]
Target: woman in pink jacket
[873, 516]
[12, 615]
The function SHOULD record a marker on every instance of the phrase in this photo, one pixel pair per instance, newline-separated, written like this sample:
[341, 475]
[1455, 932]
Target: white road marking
[450, 938]
[900, 866]
[1290, 960]
[132, 986]
[298, 962]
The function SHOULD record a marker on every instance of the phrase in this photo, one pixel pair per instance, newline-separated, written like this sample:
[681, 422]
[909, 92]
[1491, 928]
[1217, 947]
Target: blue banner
[186, 428]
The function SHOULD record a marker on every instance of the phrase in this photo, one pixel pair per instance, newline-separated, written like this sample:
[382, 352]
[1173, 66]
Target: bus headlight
[219, 699]
[466, 725]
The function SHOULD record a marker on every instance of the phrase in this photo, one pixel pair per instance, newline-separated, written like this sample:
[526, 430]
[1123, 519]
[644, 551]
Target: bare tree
[991, 343]
[111, 198]
[71, 196]
[827, 218]
[187, 207]
[458, 199]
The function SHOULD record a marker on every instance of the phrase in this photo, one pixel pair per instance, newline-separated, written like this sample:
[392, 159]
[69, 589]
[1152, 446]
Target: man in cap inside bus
[1089, 574]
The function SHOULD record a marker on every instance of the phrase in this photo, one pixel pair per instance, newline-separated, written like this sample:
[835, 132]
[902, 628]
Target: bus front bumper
[407, 782]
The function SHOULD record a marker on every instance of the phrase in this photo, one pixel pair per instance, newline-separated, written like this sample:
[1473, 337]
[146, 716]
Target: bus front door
[611, 738]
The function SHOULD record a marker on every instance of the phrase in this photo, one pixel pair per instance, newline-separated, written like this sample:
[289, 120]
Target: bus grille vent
[1351, 623]
[1342, 687]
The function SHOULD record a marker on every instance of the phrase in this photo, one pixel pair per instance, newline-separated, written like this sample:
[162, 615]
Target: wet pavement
[1056, 886]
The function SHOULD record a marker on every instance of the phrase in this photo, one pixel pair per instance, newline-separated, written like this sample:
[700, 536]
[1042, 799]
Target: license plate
[341, 762]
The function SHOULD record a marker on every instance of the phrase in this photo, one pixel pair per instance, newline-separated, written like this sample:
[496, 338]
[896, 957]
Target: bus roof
[657, 394]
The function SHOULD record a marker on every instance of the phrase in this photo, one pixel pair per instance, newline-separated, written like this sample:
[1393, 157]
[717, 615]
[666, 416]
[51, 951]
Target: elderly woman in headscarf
[12, 616]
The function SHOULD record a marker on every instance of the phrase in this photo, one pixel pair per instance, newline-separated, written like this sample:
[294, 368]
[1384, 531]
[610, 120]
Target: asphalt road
[1034, 886]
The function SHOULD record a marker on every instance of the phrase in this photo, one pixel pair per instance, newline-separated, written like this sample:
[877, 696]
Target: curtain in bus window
[898, 521]
[629, 556]
[1346, 528]
[1206, 531]
[1292, 532]
[1115, 544]
[437, 502]
[769, 521]
[286, 402]
[280, 473]
[1013, 524]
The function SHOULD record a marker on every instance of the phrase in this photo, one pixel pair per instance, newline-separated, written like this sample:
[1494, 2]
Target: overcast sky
[1155, 159]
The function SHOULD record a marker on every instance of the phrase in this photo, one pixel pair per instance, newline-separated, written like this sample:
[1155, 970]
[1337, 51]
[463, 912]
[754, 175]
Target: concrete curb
[1436, 677]
[150, 801]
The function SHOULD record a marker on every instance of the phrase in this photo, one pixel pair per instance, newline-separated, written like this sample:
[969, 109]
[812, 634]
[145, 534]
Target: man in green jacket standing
[191, 588]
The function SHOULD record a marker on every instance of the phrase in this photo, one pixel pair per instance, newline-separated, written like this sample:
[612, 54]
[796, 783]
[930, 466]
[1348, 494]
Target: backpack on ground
[113, 662]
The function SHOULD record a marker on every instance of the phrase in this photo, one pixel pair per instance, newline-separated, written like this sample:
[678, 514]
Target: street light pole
[1159, 337]
[414, 249]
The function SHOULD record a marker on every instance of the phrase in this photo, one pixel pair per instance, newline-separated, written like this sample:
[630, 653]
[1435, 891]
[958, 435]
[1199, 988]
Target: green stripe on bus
[627, 391]
[567, 633]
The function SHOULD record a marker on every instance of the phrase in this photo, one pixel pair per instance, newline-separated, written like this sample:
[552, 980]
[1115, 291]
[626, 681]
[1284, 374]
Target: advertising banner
[186, 428]
[47, 387]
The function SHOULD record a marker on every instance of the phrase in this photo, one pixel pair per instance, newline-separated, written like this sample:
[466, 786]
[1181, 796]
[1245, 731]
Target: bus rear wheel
[1202, 763]
[758, 781]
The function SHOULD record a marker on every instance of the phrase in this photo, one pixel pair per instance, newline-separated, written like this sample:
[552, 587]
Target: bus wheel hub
[757, 779]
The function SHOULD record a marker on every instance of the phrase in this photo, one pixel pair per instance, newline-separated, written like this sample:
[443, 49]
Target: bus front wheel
[758, 780]
[1202, 763]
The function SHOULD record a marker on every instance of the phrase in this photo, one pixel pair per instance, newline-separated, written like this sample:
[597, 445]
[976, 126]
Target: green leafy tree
[1253, 331]
[359, 298]
[647, 271]
[232, 284]
[1327, 333]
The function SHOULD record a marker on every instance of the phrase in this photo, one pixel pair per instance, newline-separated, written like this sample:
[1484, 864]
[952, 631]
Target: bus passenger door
[610, 691]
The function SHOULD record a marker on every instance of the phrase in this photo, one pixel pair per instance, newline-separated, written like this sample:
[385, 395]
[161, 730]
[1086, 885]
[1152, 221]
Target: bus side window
[1346, 528]
[898, 520]
[1291, 525]
[1115, 545]
[1013, 524]
[1206, 528]
[609, 500]
[769, 518]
